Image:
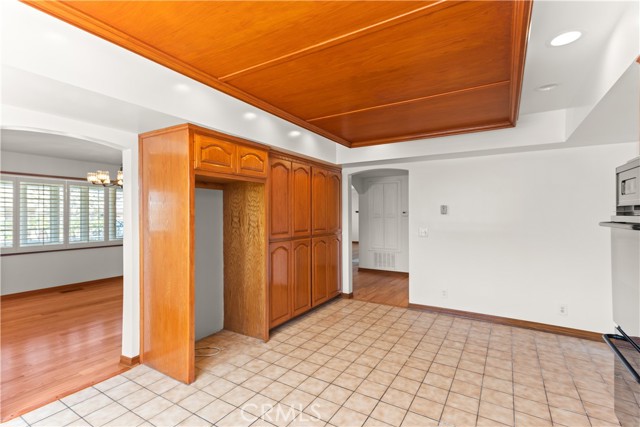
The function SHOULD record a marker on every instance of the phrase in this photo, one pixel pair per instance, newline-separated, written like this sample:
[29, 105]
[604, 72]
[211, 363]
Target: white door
[383, 221]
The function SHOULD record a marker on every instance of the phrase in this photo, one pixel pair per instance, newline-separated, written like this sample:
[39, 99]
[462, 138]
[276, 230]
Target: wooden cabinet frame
[176, 160]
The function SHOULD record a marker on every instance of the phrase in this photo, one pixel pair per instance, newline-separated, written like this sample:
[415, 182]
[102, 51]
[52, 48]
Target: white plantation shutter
[86, 213]
[6, 214]
[41, 213]
[116, 214]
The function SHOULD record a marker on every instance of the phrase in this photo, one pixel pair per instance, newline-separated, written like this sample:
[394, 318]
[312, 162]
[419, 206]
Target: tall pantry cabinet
[304, 236]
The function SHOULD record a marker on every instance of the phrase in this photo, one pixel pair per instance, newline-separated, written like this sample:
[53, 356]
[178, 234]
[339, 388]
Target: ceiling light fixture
[565, 38]
[102, 178]
[249, 115]
[181, 87]
[547, 88]
[295, 133]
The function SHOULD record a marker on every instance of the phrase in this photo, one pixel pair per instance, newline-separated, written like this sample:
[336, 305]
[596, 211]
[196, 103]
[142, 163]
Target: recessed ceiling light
[295, 133]
[249, 115]
[565, 38]
[547, 88]
[54, 37]
[181, 87]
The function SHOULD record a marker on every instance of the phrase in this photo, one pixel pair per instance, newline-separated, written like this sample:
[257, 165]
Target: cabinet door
[319, 270]
[334, 201]
[252, 161]
[214, 155]
[333, 266]
[279, 283]
[301, 276]
[319, 201]
[301, 195]
[280, 199]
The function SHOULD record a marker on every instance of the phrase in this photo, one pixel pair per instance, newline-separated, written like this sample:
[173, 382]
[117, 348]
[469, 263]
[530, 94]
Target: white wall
[355, 224]
[209, 283]
[27, 272]
[521, 236]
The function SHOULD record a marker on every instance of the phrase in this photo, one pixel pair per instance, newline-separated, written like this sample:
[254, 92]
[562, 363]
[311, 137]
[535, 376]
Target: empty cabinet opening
[230, 262]
[209, 266]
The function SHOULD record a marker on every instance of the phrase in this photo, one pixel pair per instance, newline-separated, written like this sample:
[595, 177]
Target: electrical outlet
[563, 310]
[444, 293]
[444, 209]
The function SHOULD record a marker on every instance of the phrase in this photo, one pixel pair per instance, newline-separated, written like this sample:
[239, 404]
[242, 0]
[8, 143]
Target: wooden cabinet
[334, 202]
[252, 161]
[305, 214]
[279, 283]
[280, 198]
[334, 284]
[319, 268]
[229, 157]
[319, 200]
[326, 268]
[289, 280]
[214, 155]
[301, 276]
[326, 201]
[301, 194]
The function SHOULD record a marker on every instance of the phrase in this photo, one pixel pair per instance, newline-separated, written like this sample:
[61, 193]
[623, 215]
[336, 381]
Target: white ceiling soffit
[615, 118]
[51, 145]
[568, 66]
[32, 91]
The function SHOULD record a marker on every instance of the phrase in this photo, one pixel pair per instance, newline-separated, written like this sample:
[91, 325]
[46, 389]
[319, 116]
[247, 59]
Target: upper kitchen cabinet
[280, 198]
[301, 193]
[228, 156]
[326, 190]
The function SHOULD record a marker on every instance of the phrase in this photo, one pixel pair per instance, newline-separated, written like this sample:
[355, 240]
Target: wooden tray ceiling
[356, 72]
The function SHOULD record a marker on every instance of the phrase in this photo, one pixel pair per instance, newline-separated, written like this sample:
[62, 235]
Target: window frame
[16, 249]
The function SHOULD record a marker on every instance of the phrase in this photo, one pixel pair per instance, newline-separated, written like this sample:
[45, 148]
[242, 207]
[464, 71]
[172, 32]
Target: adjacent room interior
[380, 236]
[62, 272]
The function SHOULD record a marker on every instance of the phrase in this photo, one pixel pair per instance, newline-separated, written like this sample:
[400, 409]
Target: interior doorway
[379, 236]
[62, 263]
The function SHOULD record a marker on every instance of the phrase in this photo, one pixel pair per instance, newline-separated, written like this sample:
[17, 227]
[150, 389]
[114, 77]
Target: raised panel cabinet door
[334, 201]
[214, 155]
[301, 276]
[280, 199]
[319, 270]
[301, 194]
[319, 200]
[279, 283]
[252, 161]
[333, 266]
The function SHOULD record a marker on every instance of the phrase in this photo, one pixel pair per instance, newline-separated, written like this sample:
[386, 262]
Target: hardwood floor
[55, 343]
[383, 287]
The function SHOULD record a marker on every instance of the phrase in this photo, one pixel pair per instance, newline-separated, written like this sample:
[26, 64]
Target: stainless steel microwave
[628, 182]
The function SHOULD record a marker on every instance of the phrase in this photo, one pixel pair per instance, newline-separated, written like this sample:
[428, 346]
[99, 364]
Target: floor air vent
[384, 260]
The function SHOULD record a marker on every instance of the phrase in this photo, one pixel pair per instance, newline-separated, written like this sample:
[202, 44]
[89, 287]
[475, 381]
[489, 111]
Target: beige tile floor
[352, 363]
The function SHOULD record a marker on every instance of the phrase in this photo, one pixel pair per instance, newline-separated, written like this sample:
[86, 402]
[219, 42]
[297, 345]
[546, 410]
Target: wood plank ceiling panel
[449, 49]
[337, 68]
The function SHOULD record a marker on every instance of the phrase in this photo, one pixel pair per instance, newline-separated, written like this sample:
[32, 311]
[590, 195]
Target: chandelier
[102, 178]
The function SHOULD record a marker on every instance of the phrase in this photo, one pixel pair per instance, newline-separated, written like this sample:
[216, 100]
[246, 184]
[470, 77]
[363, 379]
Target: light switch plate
[444, 209]
[423, 231]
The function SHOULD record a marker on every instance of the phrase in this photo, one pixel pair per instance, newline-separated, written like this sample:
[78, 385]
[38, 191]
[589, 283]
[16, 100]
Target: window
[57, 214]
[86, 213]
[116, 212]
[6, 214]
